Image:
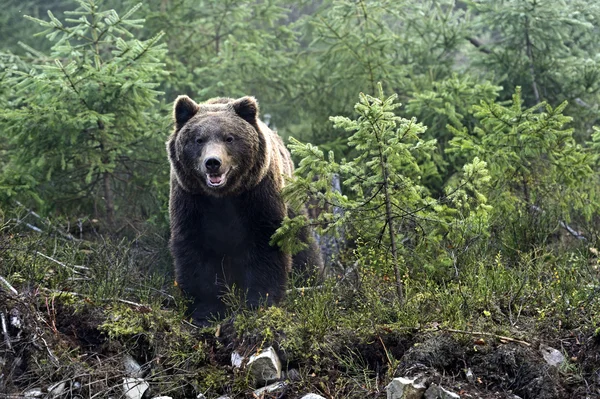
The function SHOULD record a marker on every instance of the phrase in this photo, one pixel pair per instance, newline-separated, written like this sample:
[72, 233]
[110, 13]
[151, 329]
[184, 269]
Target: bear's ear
[185, 108]
[247, 109]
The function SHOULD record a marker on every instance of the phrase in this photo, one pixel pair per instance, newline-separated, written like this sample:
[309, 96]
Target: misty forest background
[468, 201]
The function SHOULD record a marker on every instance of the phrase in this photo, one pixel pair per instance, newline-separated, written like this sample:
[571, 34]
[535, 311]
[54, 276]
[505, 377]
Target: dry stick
[73, 268]
[486, 334]
[53, 357]
[5, 331]
[56, 229]
[125, 301]
[531, 65]
[8, 286]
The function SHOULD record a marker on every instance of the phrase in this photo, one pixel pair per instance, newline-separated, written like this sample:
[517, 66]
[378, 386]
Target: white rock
[265, 366]
[437, 392]
[404, 388]
[236, 359]
[269, 388]
[56, 389]
[162, 397]
[132, 367]
[33, 393]
[134, 388]
[312, 396]
[552, 356]
[470, 375]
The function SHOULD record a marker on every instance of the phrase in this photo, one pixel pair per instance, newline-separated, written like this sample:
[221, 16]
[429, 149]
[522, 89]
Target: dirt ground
[53, 343]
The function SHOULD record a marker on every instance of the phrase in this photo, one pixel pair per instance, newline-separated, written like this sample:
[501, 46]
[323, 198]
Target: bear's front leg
[203, 282]
[266, 276]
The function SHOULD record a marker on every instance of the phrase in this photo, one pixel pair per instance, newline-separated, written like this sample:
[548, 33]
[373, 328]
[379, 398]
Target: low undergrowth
[75, 308]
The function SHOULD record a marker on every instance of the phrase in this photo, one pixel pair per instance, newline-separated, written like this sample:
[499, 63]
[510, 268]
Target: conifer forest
[447, 165]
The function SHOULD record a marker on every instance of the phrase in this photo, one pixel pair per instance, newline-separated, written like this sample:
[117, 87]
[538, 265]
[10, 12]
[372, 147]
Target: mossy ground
[84, 303]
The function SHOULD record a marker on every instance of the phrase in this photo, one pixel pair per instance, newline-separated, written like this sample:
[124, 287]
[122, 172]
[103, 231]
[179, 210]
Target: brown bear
[227, 172]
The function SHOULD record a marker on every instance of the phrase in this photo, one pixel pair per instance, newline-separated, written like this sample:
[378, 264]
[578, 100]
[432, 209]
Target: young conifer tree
[82, 125]
[538, 170]
[386, 207]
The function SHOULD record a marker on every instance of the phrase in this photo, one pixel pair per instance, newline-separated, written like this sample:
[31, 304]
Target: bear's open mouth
[216, 180]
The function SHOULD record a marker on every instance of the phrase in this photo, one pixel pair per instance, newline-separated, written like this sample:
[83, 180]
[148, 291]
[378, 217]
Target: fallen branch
[563, 224]
[486, 334]
[8, 286]
[302, 289]
[572, 231]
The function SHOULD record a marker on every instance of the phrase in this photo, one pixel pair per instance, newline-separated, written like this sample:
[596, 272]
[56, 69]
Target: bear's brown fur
[227, 172]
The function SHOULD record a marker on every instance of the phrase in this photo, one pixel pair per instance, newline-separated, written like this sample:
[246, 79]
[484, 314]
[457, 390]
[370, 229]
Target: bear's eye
[199, 140]
[229, 139]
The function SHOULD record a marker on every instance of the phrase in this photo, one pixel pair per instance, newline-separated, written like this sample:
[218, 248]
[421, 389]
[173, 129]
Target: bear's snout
[216, 165]
[212, 164]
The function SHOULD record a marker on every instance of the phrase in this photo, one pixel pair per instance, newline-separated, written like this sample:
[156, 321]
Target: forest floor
[75, 312]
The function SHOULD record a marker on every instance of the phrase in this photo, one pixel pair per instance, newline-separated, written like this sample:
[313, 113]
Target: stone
[552, 356]
[236, 359]
[132, 367]
[404, 388]
[162, 397]
[470, 376]
[437, 392]
[312, 396]
[134, 388]
[265, 366]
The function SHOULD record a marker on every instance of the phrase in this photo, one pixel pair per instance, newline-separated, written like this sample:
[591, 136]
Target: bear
[227, 172]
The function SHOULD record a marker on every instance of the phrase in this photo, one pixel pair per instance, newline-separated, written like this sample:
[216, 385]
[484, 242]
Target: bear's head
[219, 147]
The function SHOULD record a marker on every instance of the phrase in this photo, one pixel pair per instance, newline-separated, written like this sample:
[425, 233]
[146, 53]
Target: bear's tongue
[215, 179]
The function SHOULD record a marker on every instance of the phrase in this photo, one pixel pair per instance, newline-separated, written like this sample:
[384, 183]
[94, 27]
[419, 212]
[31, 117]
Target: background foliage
[464, 134]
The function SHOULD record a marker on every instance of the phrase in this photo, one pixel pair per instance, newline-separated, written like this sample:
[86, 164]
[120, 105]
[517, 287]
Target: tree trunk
[109, 201]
